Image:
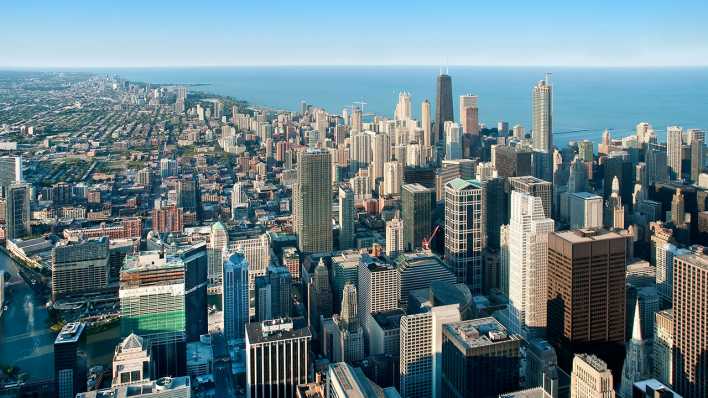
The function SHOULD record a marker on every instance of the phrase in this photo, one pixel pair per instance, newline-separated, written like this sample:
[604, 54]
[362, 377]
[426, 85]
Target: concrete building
[379, 289]
[674, 150]
[542, 116]
[283, 345]
[690, 310]
[419, 270]
[528, 265]
[17, 211]
[535, 187]
[585, 210]
[394, 237]
[79, 267]
[421, 350]
[131, 361]
[663, 347]
[590, 378]
[586, 281]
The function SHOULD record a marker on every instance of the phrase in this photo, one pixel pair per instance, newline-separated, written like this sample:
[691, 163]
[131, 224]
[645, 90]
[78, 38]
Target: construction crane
[426, 241]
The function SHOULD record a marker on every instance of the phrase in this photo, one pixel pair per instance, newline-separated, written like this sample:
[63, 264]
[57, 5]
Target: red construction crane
[426, 241]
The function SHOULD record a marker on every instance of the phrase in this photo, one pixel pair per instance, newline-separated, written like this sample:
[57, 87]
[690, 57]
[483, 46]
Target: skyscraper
[586, 294]
[416, 211]
[195, 260]
[469, 114]
[421, 350]
[585, 210]
[394, 237]
[312, 201]
[480, 358]
[663, 347]
[690, 300]
[696, 140]
[282, 346]
[542, 124]
[79, 267]
[528, 264]
[131, 361]
[273, 294]
[590, 378]
[674, 149]
[443, 105]
[17, 211]
[349, 335]
[10, 172]
[69, 369]
[346, 217]
[465, 226]
[234, 299]
[535, 187]
[218, 242]
[403, 108]
[378, 287]
[429, 139]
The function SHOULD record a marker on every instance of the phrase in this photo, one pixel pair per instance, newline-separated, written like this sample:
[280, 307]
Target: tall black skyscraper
[195, 284]
[443, 104]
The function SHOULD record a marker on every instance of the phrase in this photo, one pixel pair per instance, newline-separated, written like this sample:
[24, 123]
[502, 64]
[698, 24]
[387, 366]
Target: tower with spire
[637, 364]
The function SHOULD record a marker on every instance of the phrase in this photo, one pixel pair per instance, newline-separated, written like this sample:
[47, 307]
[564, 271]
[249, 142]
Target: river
[25, 338]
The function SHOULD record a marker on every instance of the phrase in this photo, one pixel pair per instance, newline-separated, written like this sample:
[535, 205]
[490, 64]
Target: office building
[586, 294]
[416, 210]
[277, 357]
[663, 347]
[421, 350]
[131, 361]
[674, 150]
[10, 172]
[534, 187]
[164, 387]
[312, 201]
[465, 226]
[321, 298]
[418, 270]
[496, 204]
[480, 358]
[528, 265]
[346, 217]
[153, 306]
[590, 378]
[17, 211]
[379, 289]
[542, 116]
[469, 114]
[652, 388]
[348, 336]
[218, 242]
[195, 263]
[392, 178]
[443, 105]
[234, 299]
[585, 210]
[429, 139]
[79, 267]
[273, 294]
[394, 237]
[696, 141]
[664, 261]
[69, 367]
[690, 311]
[345, 381]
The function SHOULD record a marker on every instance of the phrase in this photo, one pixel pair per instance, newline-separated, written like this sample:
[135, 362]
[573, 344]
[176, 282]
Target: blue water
[587, 99]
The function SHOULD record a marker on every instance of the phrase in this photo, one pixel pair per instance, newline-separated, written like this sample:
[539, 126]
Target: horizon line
[510, 66]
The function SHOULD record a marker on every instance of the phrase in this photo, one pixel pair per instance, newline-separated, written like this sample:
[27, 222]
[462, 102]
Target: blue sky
[192, 33]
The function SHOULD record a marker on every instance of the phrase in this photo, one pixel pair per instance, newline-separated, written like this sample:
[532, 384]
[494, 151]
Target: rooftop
[587, 235]
[460, 184]
[70, 333]
[277, 329]
[478, 332]
[596, 363]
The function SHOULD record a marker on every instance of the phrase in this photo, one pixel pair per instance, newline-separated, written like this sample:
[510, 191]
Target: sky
[156, 33]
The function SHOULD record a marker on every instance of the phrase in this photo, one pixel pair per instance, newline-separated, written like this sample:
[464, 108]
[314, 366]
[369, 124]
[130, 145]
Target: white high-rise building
[542, 128]
[379, 288]
[465, 231]
[585, 210]
[381, 153]
[428, 137]
[394, 237]
[674, 144]
[360, 150]
[469, 114]
[218, 242]
[393, 177]
[665, 254]
[453, 141]
[528, 264]
[238, 198]
[421, 350]
[590, 378]
[403, 108]
[257, 253]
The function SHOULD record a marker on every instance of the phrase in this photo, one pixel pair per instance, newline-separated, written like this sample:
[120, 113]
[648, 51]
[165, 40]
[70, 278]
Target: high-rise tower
[312, 201]
[443, 104]
[542, 127]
